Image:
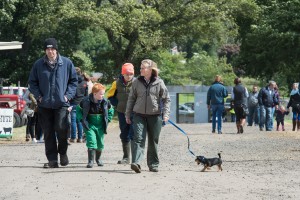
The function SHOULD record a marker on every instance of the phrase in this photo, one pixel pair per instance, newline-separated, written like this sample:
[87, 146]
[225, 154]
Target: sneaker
[219, 132]
[41, 140]
[261, 129]
[34, 141]
[79, 141]
[72, 140]
[136, 168]
[27, 137]
[213, 131]
[64, 161]
[51, 164]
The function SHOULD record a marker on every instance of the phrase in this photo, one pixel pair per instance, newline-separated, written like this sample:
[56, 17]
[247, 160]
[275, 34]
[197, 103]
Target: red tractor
[15, 101]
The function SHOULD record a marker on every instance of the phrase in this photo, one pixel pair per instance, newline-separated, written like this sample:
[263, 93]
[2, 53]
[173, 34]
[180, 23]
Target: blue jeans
[266, 117]
[75, 124]
[296, 116]
[217, 111]
[254, 115]
[126, 129]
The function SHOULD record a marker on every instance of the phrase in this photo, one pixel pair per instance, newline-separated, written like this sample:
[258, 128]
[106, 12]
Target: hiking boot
[51, 164]
[153, 170]
[64, 161]
[136, 168]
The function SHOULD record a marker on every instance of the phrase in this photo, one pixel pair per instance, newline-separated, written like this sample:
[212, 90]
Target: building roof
[10, 45]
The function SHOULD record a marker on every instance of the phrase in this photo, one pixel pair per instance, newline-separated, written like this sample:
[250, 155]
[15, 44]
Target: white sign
[6, 122]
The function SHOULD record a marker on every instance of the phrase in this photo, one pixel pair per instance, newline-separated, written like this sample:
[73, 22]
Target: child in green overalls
[95, 112]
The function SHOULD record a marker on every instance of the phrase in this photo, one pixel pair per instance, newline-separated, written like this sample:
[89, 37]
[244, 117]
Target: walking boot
[238, 128]
[98, 160]
[294, 125]
[91, 157]
[126, 151]
[27, 137]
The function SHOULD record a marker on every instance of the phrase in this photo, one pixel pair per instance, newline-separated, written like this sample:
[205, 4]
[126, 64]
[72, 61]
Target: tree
[272, 45]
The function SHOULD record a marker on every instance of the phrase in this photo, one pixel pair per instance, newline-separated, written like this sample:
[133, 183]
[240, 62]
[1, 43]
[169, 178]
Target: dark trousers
[280, 122]
[126, 129]
[55, 124]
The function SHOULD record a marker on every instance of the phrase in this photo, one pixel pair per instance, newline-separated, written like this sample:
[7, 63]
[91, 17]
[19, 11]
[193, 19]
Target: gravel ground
[256, 165]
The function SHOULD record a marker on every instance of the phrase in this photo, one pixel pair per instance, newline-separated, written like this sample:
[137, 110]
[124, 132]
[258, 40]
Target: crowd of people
[257, 107]
[67, 107]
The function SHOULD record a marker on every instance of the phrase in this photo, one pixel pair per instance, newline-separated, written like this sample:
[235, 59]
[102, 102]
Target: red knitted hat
[127, 68]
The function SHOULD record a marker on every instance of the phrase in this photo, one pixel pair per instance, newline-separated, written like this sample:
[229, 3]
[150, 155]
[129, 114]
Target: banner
[6, 122]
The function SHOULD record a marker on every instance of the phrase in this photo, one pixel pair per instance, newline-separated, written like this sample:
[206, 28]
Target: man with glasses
[118, 96]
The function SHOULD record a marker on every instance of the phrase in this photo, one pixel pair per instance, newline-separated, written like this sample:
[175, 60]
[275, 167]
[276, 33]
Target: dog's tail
[219, 154]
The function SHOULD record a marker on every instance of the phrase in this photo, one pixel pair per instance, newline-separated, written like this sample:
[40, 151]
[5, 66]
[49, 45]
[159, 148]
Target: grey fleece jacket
[148, 99]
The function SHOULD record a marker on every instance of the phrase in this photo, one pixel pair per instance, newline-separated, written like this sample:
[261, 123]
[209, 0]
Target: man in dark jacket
[266, 99]
[53, 83]
[215, 101]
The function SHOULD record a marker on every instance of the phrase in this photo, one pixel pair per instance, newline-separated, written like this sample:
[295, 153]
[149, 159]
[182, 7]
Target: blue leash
[182, 131]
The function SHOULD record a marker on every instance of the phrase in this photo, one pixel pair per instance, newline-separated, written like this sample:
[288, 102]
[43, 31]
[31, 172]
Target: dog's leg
[220, 168]
[205, 167]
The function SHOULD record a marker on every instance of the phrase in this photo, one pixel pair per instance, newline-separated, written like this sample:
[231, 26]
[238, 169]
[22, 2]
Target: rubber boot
[91, 157]
[126, 152]
[294, 125]
[98, 160]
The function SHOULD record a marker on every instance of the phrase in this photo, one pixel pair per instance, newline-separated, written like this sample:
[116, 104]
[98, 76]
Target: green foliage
[271, 46]
[204, 68]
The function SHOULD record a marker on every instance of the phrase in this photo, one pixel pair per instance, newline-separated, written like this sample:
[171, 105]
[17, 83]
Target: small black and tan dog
[209, 162]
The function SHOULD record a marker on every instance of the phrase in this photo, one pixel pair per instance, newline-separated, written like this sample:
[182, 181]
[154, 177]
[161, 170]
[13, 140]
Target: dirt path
[256, 165]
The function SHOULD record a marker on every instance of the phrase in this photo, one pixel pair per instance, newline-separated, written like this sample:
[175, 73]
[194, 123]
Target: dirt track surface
[256, 165]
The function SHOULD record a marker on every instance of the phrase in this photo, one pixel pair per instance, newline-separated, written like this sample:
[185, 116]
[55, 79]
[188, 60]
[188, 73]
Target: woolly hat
[127, 68]
[50, 43]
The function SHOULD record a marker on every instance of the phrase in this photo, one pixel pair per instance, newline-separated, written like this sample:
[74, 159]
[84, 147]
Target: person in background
[274, 106]
[266, 100]
[95, 112]
[215, 101]
[119, 93]
[148, 98]
[253, 107]
[81, 92]
[280, 113]
[53, 83]
[294, 102]
[231, 110]
[239, 95]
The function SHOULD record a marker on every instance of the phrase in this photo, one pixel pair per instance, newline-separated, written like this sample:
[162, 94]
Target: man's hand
[128, 121]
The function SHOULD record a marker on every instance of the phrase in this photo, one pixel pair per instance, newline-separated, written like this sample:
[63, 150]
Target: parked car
[184, 110]
[190, 105]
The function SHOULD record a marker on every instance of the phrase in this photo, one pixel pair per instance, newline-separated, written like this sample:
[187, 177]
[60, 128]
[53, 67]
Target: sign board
[6, 123]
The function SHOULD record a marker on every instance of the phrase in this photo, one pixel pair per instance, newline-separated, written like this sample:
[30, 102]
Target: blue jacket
[216, 94]
[52, 85]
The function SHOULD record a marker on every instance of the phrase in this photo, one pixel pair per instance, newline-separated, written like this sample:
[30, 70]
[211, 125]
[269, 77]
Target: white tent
[10, 45]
